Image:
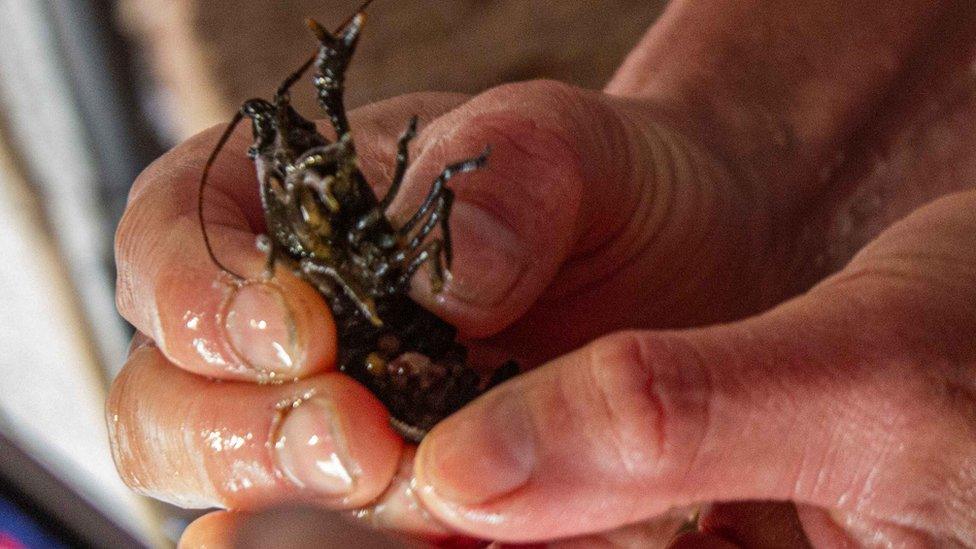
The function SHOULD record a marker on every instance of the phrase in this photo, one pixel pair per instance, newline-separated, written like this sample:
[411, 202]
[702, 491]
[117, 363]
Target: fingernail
[494, 257]
[310, 449]
[471, 459]
[261, 328]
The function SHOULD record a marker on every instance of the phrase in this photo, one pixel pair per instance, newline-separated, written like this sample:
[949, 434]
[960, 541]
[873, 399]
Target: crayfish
[326, 224]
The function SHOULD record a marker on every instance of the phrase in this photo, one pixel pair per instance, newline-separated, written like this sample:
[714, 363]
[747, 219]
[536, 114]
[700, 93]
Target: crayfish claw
[320, 32]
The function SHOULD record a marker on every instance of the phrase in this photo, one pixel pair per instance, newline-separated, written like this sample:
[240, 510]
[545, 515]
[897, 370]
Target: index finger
[170, 289]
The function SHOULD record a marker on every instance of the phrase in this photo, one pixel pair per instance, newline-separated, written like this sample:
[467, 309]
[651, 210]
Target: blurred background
[91, 91]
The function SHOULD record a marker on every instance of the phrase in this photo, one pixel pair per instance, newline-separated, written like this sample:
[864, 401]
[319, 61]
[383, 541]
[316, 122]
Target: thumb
[559, 162]
[839, 398]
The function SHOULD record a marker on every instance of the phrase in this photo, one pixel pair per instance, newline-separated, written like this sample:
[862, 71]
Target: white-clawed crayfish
[326, 224]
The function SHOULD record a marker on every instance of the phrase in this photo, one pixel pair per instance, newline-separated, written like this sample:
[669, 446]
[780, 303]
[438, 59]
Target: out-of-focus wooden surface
[213, 54]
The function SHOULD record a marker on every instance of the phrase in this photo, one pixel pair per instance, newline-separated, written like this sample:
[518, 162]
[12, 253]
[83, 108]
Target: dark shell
[326, 224]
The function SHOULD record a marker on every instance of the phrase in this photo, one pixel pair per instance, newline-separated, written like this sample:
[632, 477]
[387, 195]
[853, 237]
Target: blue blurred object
[39, 510]
[71, 141]
[20, 530]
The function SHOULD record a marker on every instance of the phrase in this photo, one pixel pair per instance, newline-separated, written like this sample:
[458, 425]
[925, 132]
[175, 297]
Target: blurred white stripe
[48, 132]
[58, 326]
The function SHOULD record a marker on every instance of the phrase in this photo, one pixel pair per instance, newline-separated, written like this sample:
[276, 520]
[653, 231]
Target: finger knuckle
[644, 414]
[532, 96]
[155, 451]
[544, 104]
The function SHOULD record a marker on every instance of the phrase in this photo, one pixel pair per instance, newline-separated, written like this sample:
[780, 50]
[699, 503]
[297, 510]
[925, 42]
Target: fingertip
[211, 531]
[374, 447]
[259, 329]
[480, 454]
[281, 328]
[171, 287]
[400, 510]
[513, 219]
[476, 468]
[201, 443]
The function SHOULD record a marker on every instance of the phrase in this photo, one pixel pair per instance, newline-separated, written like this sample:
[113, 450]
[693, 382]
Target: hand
[691, 193]
[853, 400]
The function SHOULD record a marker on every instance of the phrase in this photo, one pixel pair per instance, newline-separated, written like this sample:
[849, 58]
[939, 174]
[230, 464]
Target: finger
[211, 531]
[291, 527]
[202, 443]
[399, 510]
[770, 408]
[699, 540]
[377, 128]
[564, 175]
[139, 339]
[170, 289]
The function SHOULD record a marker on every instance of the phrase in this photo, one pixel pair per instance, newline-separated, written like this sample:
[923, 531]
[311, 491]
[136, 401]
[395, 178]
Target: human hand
[853, 400]
[557, 244]
[221, 374]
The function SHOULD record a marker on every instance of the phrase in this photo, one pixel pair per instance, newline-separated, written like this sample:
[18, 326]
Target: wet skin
[766, 167]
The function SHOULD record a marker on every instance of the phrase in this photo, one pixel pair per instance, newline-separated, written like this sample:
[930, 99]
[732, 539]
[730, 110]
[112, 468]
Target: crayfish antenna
[293, 77]
[203, 185]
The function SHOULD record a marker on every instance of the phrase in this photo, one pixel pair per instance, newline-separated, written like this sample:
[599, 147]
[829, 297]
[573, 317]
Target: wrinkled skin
[747, 271]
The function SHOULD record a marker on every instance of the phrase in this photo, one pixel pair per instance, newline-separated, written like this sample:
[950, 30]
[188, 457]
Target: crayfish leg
[407, 431]
[402, 158]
